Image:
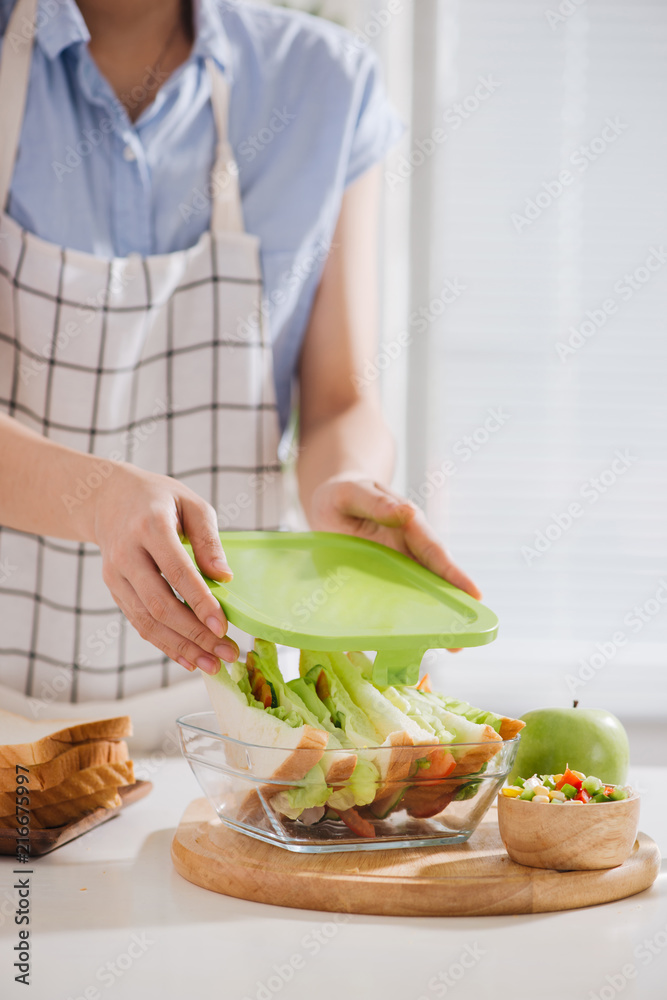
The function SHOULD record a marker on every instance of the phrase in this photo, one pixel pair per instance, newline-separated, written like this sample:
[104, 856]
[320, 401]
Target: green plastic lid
[327, 591]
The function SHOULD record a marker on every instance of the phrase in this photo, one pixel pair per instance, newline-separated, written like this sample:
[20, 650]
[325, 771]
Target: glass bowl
[412, 810]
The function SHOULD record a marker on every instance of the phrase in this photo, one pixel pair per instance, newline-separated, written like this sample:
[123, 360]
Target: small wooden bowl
[568, 837]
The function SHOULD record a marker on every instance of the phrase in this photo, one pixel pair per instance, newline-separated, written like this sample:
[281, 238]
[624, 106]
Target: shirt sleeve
[377, 126]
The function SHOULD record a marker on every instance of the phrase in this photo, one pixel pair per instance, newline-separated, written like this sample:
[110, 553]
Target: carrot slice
[425, 684]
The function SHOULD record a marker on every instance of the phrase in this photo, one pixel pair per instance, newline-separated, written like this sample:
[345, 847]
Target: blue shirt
[308, 115]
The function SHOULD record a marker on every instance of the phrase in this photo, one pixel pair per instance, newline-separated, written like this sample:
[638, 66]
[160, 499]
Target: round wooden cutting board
[473, 879]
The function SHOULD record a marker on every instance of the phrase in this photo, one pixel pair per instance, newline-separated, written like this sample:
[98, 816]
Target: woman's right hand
[138, 522]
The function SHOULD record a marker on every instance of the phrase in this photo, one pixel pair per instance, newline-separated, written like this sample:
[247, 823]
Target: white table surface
[115, 889]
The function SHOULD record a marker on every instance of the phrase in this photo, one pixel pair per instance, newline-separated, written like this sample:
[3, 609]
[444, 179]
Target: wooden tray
[44, 841]
[473, 879]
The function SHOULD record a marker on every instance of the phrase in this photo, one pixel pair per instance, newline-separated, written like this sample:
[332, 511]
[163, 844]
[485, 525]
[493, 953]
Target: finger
[427, 549]
[373, 502]
[166, 550]
[201, 526]
[175, 646]
[159, 600]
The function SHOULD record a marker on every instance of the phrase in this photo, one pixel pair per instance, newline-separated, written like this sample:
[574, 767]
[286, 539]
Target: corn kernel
[558, 796]
[511, 792]
[541, 790]
[541, 798]
[558, 777]
[579, 775]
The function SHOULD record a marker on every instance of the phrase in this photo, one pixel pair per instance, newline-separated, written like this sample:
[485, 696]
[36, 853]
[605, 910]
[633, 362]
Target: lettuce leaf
[459, 728]
[289, 700]
[355, 722]
[305, 689]
[417, 708]
[384, 716]
[285, 713]
[478, 715]
[360, 789]
[310, 792]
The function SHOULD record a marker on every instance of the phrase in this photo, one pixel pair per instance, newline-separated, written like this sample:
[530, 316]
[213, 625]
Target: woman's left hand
[357, 506]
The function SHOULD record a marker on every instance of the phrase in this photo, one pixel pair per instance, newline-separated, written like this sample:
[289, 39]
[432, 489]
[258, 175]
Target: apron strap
[226, 210]
[14, 79]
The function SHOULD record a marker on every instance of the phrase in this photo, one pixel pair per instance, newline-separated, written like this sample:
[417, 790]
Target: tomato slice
[357, 824]
[442, 763]
[424, 802]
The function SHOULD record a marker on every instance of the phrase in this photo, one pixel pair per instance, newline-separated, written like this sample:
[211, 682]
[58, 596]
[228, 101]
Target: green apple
[590, 740]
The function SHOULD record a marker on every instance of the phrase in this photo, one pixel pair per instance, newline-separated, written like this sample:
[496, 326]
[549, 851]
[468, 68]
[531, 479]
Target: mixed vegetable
[569, 787]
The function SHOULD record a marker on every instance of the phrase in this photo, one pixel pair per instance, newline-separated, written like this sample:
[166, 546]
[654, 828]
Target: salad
[560, 789]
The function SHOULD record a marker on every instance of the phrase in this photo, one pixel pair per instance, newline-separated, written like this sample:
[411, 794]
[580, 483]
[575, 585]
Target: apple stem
[574, 704]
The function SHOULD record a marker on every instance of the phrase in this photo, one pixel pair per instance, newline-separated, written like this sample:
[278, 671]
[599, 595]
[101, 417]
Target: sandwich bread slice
[36, 741]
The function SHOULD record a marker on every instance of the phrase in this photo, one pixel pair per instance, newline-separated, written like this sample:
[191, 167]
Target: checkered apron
[160, 361]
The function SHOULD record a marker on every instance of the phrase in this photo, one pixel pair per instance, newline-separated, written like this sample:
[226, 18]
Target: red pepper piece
[569, 779]
[582, 796]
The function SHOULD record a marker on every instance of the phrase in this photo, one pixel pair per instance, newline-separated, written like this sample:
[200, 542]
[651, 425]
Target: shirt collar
[61, 24]
[210, 37]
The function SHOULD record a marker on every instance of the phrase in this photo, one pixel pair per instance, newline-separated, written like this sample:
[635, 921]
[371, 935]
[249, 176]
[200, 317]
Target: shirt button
[129, 154]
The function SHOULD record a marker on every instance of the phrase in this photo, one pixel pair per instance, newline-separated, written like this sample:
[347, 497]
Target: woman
[190, 196]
